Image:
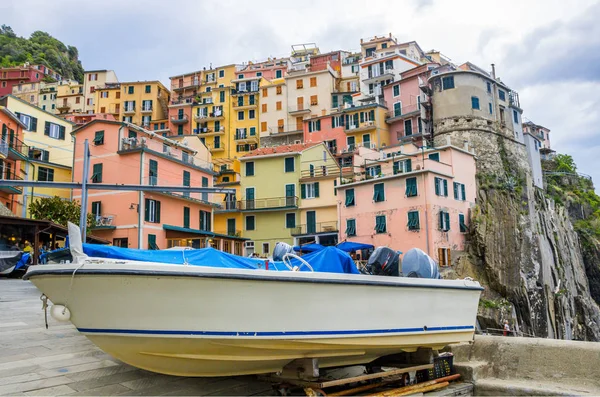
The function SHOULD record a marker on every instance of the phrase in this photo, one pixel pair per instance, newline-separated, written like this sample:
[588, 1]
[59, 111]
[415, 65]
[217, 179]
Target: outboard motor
[280, 250]
[418, 264]
[384, 261]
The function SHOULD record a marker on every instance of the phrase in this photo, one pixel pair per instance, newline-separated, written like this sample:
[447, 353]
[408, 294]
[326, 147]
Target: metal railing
[359, 126]
[229, 232]
[321, 227]
[17, 146]
[180, 120]
[105, 220]
[3, 148]
[406, 111]
[164, 148]
[269, 203]
[284, 129]
[301, 107]
[320, 172]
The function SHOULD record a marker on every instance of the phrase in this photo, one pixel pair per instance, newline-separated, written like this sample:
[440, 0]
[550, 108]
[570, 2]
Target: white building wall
[533, 156]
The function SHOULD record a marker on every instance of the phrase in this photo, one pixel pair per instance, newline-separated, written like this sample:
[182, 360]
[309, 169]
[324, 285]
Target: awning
[199, 232]
[350, 246]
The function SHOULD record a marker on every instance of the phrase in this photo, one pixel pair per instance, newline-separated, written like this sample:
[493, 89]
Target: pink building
[123, 153]
[15, 75]
[328, 129]
[540, 132]
[406, 104]
[321, 61]
[407, 197]
[83, 118]
[270, 69]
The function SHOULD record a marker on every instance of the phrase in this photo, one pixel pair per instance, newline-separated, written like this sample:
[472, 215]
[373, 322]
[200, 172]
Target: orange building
[12, 153]
[123, 153]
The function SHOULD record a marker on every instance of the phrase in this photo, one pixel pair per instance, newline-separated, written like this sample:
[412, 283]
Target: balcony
[147, 109]
[374, 77]
[244, 137]
[200, 118]
[17, 150]
[3, 149]
[299, 109]
[272, 203]
[229, 206]
[318, 172]
[285, 130]
[231, 233]
[215, 148]
[183, 101]
[405, 112]
[63, 108]
[247, 91]
[181, 86]
[129, 110]
[237, 106]
[316, 228]
[513, 99]
[104, 222]
[180, 119]
[10, 176]
[360, 127]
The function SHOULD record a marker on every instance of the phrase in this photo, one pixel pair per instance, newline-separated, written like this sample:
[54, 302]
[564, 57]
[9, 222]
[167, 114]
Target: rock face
[522, 246]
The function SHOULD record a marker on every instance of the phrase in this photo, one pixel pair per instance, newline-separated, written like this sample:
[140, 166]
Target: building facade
[92, 80]
[12, 153]
[15, 75]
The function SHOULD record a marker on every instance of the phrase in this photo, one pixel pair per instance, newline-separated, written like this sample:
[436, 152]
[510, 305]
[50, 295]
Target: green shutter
[455, 185]
[302, 190]
[349, 197]
[152, 242]
[318, 125]
[334, 187]
[97, 208]
[461, 223]
[147, 210]
[186, 217]
[362, 117]
[186, 178]
[34, 124]
[372, 115]
[47, 128]
[408, 165]
[464, 195]
[378, 192]
[445, 187]
[334, 101]
[316, 189]
[447, 219]
[396, 168]
[441, 220]
[437, 185]
[97, 173]
[157, 215]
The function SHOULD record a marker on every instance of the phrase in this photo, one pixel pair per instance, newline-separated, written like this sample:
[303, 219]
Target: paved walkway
[35, 361]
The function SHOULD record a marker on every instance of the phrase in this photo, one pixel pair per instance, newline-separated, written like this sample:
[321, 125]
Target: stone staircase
[529, 366]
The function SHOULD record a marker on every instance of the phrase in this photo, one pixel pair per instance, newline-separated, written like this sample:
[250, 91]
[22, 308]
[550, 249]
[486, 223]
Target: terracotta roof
[295, 148]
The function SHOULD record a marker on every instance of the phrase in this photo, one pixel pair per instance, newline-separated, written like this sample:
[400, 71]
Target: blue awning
[350, 246]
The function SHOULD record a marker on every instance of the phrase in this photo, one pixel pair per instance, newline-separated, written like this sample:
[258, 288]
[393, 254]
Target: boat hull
[211, 322]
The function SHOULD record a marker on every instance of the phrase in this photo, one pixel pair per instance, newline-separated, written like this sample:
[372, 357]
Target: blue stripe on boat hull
[273, 333]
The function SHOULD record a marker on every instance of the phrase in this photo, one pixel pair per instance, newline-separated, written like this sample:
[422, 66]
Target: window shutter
[447, 220]
[47, 128]
[396, 168]
[310, 126]
[34, 124]
[347, 120]
[147, 210]
[302, 190]
[455, 185]
[186, 217]
[446, 187]
[362, 117]
[441, 220]
[464, 196]
[355, 118]
[61, 132]
[372, 115]
[408, 165]
[157, 216]
[437, 186]
[318, 125]
[316, 189]
[441, 259]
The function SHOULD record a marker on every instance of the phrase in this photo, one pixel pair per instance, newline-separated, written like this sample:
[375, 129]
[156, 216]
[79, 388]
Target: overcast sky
[547, 50]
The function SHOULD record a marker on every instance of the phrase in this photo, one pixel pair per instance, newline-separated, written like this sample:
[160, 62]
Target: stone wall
[277, 140]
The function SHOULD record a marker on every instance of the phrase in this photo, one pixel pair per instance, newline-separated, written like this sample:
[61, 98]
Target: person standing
[506, 331]
[28, 249]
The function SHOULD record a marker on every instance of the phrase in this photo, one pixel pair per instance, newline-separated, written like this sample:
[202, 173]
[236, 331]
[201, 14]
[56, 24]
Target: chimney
[494, 72]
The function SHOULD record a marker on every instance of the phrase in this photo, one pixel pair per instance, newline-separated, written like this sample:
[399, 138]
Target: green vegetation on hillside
[40, 48]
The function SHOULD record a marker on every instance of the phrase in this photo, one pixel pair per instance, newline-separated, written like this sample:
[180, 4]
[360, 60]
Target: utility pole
[84, 191]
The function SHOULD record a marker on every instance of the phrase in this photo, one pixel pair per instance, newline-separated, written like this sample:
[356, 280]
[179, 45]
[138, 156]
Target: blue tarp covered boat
[349, 246]
[308, 247]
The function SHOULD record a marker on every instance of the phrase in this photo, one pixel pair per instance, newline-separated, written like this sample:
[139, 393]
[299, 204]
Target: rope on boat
[71, 287]
[44, 300]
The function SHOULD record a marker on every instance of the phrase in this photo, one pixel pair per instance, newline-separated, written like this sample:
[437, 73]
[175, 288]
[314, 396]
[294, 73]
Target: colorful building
[47, 97]
[14, 75]
[298, 206]
[364, 125]
[29, 92]
[12, 154]
[69, 98]
[92, 80]
[123, 153]
[46, 151]
[409, 197]
[228, 217]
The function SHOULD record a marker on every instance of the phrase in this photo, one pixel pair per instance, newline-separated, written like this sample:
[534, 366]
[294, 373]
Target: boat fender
[60, 313]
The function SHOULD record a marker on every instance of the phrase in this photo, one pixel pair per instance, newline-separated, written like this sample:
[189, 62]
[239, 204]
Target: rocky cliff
[522, 246]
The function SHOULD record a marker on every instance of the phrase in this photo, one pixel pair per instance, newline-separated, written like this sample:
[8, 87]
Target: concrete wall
[532, 146]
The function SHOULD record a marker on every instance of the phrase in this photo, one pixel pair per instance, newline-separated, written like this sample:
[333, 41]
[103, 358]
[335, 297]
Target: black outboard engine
[384, 261]
[280, 250]
[418, 264]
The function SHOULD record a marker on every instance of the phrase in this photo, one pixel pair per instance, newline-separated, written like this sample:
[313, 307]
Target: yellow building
[69, 97]
[47, 97]
[365, 125]
[288, 196]
[228, 218]
[28, 92]
[50, 149]
[92, 80]
[245, 99]
[140, 102]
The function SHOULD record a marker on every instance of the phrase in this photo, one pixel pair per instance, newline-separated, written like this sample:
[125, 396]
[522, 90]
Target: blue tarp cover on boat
[350, 246]
[329, 259]
[309, 247]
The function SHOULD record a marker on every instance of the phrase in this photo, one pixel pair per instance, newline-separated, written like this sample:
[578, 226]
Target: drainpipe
[31, 195]
[140, 205]
[426, 212]
[495, 93]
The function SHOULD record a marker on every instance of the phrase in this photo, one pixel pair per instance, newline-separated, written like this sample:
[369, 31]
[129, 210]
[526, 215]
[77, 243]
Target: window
[314, 100]
[29, 121]
[313, 81]
[241, 115]
[309, 190]
[475, 103]
[397, 109]
[515, 116]
[186, 217]
[441, 187]
[186, 182]
[413, 220]
[130, 89]
[97, 209]
[278, 105]
[299, 83]
[289, 164]
[204, 184]
[314, 125]
[99, 138]
[384, 45]
[152, 242]
[278, 74]
[153, 173]
[45, 174]
[266, 247]
[350, 227]
[459, 191]
[378, 192]
[408, 127]
[97, 173]
[444, 221]
[148, 89]
[152, 211]
[254, 85]
[396, 90]
[251, 114]
[263, 108]
[502, 95]
[179, 128]
[263, 126]
[204, 217]
[290, 221]
[374, 171]
[278, 90]
[380, 224]
[240, 101]
[490, 107]
[147, 105]
[54, 130]
[411, 187]
[434, 156]
[350, 201]
[337, 121]
[402, 166]
[461, 223]
[222, 96]
[447, 82]
[250, 168]
[250, 222]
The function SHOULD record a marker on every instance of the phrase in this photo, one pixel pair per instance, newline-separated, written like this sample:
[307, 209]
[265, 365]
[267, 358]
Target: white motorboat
[195, 320]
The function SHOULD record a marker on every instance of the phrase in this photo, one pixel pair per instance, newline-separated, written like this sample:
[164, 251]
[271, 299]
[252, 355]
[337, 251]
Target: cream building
[93, 79]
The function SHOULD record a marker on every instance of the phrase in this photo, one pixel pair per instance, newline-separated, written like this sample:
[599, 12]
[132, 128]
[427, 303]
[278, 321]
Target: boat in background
[13, 263]
[209, 313]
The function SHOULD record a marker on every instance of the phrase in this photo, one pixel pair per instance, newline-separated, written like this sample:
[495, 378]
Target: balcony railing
[3, 148]
[185, 85]
[299, 108]
[269, 203]
[374, 76]
[364, 126]
[105, 221]
[129, 110]
[315, 228]
[147, 109]
[285, 129]
[180, 120]
[16, 148]
[164, 148]
[229, 206]
[10, 176]
[320, 172]
[231, 233]
[407, 111]
[513, 99]
[209, 117]
[244, 136]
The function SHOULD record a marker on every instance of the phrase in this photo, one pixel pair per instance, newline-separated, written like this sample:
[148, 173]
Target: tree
[7, 31]
[565, 163]
[59, 211]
